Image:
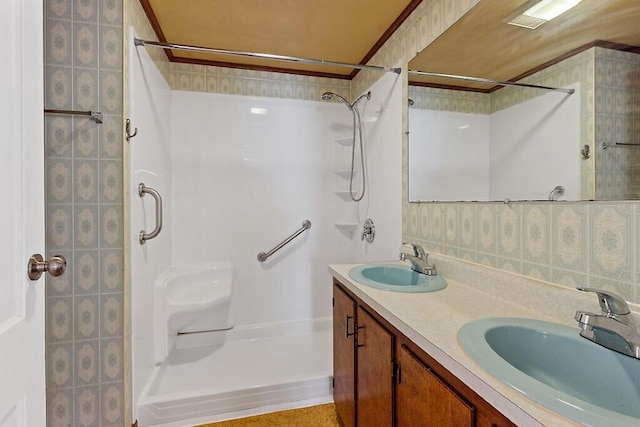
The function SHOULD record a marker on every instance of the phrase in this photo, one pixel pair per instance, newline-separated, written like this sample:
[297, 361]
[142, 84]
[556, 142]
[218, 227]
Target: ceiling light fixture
[542, 11]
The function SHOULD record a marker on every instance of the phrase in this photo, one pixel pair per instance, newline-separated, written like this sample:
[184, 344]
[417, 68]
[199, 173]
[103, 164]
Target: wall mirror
[478, 141]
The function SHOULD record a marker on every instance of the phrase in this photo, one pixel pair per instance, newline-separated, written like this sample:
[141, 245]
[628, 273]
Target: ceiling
[481, 45]
[348, 31]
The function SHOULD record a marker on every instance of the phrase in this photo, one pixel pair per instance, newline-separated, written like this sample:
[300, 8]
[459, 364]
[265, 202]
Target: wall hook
[127, 129]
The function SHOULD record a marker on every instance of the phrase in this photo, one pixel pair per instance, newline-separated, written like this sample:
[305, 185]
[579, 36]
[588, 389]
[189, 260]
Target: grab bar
[262, 257]
[142, 190]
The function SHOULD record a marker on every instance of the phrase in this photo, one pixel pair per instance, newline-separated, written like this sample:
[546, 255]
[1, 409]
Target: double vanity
[475, 347]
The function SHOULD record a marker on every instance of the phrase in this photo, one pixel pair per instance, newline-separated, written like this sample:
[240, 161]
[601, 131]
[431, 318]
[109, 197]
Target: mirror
[471, 141]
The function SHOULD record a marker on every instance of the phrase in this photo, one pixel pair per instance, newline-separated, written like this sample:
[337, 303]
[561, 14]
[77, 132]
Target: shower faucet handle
[368, 231]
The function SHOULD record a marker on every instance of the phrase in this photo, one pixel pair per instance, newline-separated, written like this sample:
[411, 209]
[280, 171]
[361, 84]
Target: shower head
[364, 95]
[327, 96]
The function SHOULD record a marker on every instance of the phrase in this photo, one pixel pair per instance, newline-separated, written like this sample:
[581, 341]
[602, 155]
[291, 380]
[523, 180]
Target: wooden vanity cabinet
[374, 374]
[344, 358]
[381, 378]
[362, 365]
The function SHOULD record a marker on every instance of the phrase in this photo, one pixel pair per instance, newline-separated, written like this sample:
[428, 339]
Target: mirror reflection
[478, 141]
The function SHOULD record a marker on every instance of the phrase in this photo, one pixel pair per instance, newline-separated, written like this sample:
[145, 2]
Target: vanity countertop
[432, 320]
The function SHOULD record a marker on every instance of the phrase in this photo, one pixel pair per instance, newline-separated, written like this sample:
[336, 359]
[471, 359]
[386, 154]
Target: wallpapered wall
[617, 119]
[84, 210]
[88, 334]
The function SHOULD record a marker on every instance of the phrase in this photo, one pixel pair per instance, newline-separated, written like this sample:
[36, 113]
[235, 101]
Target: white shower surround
[519, 153]
[238, 174]
[240, 372]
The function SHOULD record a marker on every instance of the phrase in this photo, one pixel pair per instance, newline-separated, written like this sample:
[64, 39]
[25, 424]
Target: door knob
[37, 265]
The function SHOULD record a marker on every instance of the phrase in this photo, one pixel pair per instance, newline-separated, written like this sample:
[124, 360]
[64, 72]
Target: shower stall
[235, 176]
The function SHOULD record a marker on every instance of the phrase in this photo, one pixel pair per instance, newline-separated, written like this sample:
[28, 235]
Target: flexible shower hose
[357, 121]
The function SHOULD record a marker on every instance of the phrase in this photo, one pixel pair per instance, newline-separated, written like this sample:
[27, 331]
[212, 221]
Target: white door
[22, 366]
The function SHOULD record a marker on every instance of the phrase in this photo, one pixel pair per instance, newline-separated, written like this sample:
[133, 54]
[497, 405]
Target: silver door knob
[37, 265]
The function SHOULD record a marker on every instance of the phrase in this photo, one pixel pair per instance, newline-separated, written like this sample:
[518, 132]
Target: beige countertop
[474, 292]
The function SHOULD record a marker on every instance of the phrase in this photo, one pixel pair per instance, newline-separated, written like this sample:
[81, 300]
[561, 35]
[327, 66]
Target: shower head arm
[327, 96]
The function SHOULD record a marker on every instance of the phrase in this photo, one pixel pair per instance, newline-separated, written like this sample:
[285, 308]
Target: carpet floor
[313, 416]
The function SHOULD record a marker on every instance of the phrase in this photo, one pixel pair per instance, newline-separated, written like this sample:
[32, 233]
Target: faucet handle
[610, 303]
[407, 248]
[413, 249]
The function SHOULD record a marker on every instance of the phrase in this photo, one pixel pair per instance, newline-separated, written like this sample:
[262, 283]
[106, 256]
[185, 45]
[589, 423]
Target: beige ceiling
[331, 30]
[480, 44]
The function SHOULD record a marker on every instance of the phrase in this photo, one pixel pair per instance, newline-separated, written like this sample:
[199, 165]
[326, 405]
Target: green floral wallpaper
[84, 210]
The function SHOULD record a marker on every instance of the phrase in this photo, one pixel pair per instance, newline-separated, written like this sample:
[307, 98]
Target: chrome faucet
[416, 255]
[614, 328]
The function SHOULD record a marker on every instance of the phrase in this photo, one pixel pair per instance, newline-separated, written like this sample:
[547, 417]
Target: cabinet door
[375, 372]
[344, 372]
[424, 400]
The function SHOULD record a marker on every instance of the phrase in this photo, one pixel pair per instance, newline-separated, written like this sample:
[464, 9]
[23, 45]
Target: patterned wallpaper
[570, 243]
[577, 68]
[428, 98]
[203, 78]
[617, 119]
[87, 331]
[84, 210]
